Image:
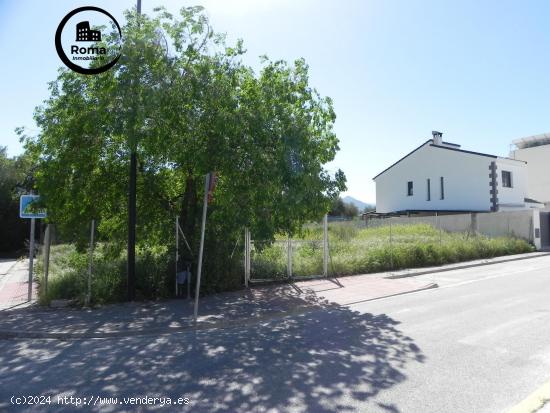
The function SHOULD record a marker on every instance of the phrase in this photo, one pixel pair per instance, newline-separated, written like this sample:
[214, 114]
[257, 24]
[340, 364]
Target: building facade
[440, 176]
[535, 150]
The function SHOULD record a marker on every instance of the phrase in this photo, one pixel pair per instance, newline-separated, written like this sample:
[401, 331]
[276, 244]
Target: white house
[535, 150]
[440, 176]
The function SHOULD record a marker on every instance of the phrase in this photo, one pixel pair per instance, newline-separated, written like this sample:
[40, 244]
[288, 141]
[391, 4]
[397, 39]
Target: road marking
[458, 284]
[490, 277]
[534, 401]
[475, 338]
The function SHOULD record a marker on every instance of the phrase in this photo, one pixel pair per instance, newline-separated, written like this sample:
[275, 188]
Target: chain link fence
[388, 243]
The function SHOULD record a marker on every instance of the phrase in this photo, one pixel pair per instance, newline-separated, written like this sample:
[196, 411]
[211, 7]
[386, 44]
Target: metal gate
[278, 260]
[545, 229]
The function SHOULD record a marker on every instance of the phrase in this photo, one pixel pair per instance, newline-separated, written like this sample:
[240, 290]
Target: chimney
[437, 137]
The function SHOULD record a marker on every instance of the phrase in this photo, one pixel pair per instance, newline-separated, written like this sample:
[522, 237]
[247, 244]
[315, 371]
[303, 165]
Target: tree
[184, 99]
[14, 175]
[343, 209]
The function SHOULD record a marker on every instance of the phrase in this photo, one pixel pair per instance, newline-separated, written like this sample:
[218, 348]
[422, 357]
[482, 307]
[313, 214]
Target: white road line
[433, 290]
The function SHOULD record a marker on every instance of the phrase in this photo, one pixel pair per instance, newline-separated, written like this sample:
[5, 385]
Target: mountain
[359, 204]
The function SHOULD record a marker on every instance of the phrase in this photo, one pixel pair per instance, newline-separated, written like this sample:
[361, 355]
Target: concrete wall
[520, 224]
[515, 223]
[537, 159]
[466, 182]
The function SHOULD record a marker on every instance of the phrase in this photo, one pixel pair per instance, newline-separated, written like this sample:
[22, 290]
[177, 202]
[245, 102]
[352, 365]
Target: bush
[68, 275]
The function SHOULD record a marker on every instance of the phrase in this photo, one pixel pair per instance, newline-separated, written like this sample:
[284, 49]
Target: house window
[506, 179]
[441, 188]
[428, 194]
[409, 188]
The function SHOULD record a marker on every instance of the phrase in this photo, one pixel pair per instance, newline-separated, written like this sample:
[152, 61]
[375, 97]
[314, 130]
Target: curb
[461, 267]
[427, 287]
[534, 402]
[10, 334]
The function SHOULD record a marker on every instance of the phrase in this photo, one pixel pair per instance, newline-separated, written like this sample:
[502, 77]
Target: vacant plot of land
[358, 250]
[352, 250]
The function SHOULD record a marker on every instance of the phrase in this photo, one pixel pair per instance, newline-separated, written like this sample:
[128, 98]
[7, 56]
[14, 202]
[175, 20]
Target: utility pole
[132, 208]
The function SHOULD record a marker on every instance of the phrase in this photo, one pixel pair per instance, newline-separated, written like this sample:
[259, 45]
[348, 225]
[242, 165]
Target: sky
[478, 71]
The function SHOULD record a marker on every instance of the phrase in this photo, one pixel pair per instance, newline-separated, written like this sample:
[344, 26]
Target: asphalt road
[480, 343]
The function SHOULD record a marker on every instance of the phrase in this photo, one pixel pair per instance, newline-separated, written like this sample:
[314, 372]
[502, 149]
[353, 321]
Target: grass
[353, 250]
[68, 275]
[356, 250]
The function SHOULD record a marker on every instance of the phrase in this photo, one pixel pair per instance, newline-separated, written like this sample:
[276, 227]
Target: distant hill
[359, 204]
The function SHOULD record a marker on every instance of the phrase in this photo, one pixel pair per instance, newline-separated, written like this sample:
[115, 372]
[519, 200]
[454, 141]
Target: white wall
[511, 197]
[538, 159]
[466, 178]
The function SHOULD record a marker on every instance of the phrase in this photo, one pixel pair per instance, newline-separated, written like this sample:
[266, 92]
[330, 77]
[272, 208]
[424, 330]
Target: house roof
[407, 155]
[464, 151]
[448, 146]
[532, 201]
[424, 212]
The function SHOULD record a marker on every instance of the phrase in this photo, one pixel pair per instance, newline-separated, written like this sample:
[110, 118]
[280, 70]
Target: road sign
[212, 181]
[28, 208]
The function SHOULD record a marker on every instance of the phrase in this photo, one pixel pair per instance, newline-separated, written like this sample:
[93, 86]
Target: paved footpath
[14, 284]
[18, 319]
[221, 310]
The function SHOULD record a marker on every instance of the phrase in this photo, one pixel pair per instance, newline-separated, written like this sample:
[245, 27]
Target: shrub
[68, 275]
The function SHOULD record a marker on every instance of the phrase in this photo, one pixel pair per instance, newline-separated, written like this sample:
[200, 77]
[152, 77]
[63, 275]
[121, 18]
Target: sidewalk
[19, 319]
[218, 311]
[14, 284]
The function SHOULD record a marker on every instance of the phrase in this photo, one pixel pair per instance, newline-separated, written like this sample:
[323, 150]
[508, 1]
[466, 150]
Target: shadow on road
[329, 359]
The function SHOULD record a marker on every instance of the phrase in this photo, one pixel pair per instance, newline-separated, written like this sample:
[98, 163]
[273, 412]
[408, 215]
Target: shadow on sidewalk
[236, 308]
[329, 359]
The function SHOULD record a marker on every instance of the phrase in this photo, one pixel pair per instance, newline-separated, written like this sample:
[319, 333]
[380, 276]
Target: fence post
[201, 245]
[325, 246]
[289, 258]
[391, 246]
[440, 238]
[246, 256]
[439, 227]
[245, 260]
[89, 293]
[47, 242]
[178, 255]
[249, 246]
[31, 257]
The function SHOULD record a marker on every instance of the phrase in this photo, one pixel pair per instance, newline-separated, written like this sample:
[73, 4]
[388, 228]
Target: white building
[440, 176]
[535, 150]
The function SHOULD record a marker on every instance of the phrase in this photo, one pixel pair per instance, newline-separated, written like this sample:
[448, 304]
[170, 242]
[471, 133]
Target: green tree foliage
[14, 180]
[183, 98]
[343, 209]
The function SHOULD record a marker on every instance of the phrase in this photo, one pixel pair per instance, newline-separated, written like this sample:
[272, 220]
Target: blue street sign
[26, 208]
